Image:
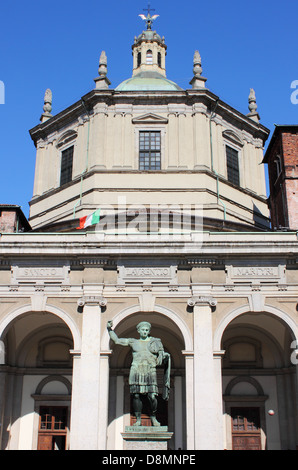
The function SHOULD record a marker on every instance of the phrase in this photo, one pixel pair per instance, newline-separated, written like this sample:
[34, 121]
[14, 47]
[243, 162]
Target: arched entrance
[35, 380]
[171, 413]
[259, 381]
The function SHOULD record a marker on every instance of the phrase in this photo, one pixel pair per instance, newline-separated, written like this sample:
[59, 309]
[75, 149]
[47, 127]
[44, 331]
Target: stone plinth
[146, 437]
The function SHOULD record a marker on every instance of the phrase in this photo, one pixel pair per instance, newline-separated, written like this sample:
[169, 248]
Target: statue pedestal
[146, 437]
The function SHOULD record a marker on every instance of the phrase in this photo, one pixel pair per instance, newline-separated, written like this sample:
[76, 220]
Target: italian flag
[88, 220]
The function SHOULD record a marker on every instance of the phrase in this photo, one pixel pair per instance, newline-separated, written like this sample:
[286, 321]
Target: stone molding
[90, 261]
[202, 262]
[256, 273]
[147, 274]
[38, 273]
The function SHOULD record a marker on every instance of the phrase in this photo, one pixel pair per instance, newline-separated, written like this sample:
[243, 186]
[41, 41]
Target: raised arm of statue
[114, 337]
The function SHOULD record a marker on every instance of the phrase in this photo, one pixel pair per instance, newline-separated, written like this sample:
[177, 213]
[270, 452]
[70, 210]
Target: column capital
[202, 301]
[92, 300]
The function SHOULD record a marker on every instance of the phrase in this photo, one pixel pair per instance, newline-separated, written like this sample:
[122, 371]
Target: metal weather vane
[149, 19]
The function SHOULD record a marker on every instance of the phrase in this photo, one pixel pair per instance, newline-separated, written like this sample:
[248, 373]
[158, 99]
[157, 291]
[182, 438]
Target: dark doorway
[246, 431]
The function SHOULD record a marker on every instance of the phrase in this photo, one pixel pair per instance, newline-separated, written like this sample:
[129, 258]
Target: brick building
[12, 219]
[282, 159]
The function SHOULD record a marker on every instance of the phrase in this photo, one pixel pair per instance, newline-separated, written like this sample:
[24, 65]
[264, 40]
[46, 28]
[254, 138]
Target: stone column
[189, 398]
[295, 391]
[3, 377]
[207, 410]
[219, 415]
[178, 407]
[103, 399]
[119, 419]
[172, 140]
[84, 431]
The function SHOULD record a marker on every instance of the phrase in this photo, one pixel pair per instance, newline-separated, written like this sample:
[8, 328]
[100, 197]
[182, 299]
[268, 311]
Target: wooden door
[52, 430]
[246, 431]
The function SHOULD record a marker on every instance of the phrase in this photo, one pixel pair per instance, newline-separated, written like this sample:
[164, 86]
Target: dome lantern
[149, 65]
[149, 49]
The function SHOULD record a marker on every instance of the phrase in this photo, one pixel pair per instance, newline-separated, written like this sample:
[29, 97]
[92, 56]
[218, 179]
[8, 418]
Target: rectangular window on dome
[66, 165]
[149, 150]
[232, 165]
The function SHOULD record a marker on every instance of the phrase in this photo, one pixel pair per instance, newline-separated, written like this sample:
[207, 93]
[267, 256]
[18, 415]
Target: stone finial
[252, 106]
[197, 63]
[47, 107]
[197, 81]
[102, 70]
[102, 81]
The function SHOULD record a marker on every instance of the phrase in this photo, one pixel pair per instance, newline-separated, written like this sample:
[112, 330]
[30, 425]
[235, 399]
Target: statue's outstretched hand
[109, 324]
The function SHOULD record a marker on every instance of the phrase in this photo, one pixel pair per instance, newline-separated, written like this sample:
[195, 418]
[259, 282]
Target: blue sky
[57, 44]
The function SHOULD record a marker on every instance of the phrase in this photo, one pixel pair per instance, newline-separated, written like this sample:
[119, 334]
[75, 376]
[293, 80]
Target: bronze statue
[148, 353]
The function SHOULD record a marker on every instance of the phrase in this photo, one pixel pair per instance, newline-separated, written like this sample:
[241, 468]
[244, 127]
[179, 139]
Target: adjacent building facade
[281, 157]
[182, 240]
[12, 219]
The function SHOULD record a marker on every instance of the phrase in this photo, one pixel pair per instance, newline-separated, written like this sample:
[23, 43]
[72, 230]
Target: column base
[146, 437]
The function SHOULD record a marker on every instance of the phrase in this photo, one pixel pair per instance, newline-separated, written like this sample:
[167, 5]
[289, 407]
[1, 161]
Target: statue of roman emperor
[147, 353]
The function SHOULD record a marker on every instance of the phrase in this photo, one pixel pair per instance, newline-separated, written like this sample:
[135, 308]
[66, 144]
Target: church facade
[149, 204]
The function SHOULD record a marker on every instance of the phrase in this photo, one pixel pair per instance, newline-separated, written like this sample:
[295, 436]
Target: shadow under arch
[41, 337]
[243, 378]
[129, 312]
[218, 334]
[258, 379]
[23, 331]
[10, 317]
[53, 378]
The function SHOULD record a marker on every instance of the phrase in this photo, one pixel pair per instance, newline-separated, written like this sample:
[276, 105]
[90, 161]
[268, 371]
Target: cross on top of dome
[149, 19]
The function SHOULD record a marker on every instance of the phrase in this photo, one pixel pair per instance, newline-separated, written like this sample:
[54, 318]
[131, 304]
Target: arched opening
[171, 413]
[159, 59]
[259, 383]
[149, 57]
[36, 382]
[139, 59]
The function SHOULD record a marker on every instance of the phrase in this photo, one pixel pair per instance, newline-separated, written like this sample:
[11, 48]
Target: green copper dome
[148, 81]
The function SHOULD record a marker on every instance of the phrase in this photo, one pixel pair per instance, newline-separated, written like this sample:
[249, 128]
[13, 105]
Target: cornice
[111, 97]
[264, 245]
[66, 116]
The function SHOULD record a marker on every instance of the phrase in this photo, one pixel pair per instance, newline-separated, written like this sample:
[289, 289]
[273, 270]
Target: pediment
[232, 136]
[150, 119]
[67, 137]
